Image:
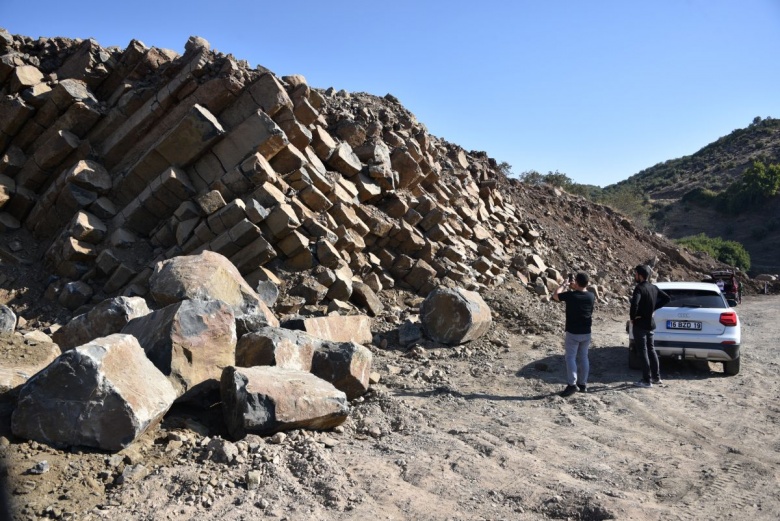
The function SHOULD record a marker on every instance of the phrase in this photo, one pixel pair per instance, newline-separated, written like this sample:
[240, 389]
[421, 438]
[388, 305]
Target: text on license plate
[682, 324]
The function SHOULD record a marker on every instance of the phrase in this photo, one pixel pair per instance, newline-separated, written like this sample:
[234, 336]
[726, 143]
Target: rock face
[265, 400]
[454, 316]
[108, 317]
[103, 394]
[136, 165]
[190, 342]
[208, 276]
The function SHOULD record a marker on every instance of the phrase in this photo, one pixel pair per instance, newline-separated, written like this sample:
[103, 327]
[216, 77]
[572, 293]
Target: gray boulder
[454, 316]
[107, 318]
[7, 319]
[266, 400]
[191, 342]
[103, 394]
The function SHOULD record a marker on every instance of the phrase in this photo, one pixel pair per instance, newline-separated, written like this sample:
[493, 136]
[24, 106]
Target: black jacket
[645, 300]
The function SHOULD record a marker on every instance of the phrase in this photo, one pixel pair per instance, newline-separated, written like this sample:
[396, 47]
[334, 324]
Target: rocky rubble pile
[116, 159]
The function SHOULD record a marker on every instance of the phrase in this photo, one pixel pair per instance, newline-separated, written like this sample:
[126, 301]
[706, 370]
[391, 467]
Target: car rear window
[698, 298]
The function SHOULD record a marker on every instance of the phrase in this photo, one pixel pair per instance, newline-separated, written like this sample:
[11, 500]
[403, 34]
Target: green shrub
[729, 252]
[700, 197]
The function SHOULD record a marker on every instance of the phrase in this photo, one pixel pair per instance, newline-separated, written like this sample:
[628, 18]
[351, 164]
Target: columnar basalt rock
[103, 394]
[208, 276]
[454, 316]
[278, 347]
[190, 342]
[265, 400]
[107, 318]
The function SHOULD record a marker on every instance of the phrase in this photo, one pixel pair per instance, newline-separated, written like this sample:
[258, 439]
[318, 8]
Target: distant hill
[714, 167]
[712, 170]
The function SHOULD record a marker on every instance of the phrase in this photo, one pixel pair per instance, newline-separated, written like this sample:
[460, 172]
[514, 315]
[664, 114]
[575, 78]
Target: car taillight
[728, 319]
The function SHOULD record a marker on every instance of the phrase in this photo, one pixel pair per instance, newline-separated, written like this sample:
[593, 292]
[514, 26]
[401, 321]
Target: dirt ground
[476, 432]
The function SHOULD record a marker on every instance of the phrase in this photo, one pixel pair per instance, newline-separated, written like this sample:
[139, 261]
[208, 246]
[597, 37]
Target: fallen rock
[364, 296]
[107, 318]
[190, 342]
[266, 400]
[346, 365]
[336, 328]
[103, 394]
[276, 346]
[454, 316]
[208, 276]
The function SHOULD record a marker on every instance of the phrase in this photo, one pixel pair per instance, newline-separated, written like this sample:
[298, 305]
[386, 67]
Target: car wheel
[633, 357]
[731, 368]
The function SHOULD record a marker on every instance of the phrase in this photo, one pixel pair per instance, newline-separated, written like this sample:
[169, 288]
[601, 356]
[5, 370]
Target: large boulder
[337, 328]
[265, 400]
[454, 316]
[107, 318]
[208, 276]
[103, 394]
[191, 342]
[276, 346]
[344, 364]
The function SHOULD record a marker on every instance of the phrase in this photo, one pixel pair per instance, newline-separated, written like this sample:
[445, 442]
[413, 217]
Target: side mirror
[731, 302]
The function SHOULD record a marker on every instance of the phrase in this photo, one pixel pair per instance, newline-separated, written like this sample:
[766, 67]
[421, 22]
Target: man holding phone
[579, 312]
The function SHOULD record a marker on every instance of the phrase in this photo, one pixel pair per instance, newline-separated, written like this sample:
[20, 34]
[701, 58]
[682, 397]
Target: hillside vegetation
[715, 167]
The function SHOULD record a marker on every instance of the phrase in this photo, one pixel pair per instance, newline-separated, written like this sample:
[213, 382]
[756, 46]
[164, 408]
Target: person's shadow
[609, 371]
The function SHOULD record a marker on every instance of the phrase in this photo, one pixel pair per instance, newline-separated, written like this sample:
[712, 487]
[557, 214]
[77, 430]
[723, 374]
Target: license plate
[683, 324]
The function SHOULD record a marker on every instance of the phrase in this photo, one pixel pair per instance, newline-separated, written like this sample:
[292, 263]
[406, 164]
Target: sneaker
[570, 389]
[643, 384]
[656, 381]
[582, 388]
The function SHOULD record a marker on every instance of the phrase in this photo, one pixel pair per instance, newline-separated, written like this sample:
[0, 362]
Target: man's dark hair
[644, 271]
[582, 279]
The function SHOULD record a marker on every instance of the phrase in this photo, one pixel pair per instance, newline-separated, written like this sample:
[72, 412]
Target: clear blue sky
[597, 89]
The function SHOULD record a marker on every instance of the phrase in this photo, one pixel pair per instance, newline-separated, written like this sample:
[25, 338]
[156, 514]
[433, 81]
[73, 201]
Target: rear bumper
[698, 350]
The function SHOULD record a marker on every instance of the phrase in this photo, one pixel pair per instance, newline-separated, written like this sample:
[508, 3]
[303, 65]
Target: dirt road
[503, 445]
[472, 433]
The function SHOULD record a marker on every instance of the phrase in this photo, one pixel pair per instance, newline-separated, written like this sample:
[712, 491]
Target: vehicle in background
[729, 285]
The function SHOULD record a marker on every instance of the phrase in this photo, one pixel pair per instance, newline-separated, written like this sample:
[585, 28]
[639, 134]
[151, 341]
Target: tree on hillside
[758, 183]
[505, 168]
[532, 177]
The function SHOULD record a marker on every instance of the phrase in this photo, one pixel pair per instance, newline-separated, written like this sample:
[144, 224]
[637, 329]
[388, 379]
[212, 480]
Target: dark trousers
[643, 339]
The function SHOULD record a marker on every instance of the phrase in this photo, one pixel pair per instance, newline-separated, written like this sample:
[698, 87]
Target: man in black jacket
[644, 301]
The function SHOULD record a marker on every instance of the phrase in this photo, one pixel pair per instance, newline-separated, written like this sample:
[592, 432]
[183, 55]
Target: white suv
[697, 324]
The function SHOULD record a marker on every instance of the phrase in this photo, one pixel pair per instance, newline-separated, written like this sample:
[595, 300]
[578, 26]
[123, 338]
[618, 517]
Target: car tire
[633, 357]
[731, 368]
